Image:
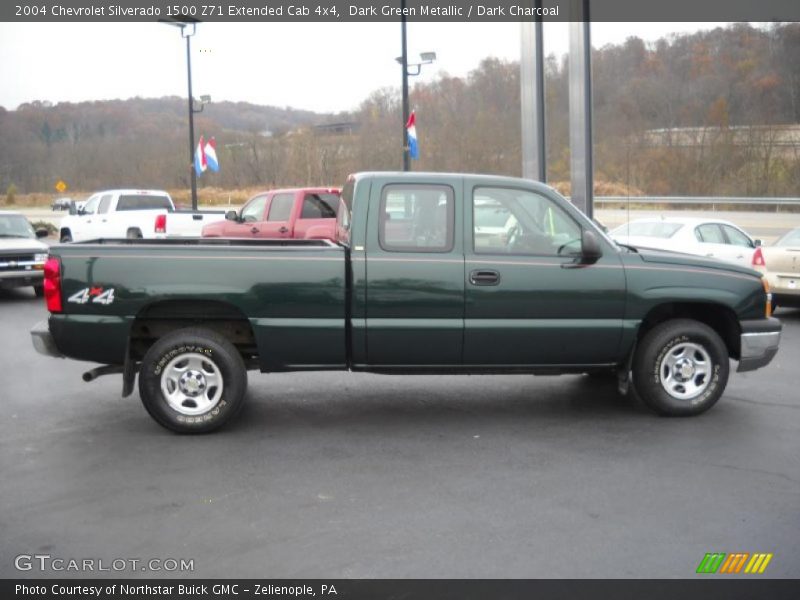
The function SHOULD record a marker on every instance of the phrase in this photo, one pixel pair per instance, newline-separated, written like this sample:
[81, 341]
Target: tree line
[709, 113]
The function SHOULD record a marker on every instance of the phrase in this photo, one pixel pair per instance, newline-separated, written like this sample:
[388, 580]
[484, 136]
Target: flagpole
[193, 175]
[404, 66]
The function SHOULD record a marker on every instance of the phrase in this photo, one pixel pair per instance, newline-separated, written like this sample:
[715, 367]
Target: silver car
[22, 255]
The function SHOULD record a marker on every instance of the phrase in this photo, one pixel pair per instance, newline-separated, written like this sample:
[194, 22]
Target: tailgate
[190, 224]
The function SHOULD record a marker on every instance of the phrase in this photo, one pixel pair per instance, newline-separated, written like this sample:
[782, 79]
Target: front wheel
[192, 381]
[681, 368]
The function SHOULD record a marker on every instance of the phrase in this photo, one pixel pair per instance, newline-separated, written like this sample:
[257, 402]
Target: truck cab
[298, 213]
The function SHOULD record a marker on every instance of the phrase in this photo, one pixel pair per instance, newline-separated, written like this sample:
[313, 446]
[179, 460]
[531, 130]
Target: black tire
[39, 290]
[218, 353]
[66, 236]
[697, 344]
[133, 234]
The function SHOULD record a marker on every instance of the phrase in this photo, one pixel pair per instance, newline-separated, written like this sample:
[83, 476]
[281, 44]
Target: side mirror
[758, 242]
[73, 210]
[591, 250]
[42, 233]
[232, 215]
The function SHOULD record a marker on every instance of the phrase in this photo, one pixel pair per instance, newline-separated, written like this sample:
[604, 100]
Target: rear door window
[280, 209]
[417, 218]
[710, 233]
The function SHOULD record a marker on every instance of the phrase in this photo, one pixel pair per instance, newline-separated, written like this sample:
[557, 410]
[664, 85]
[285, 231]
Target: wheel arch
[722, 319]
[161, 317]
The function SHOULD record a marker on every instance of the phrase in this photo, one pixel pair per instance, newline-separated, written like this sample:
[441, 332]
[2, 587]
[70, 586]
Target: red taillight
[161, 224]
[52, 284]
[758, 258]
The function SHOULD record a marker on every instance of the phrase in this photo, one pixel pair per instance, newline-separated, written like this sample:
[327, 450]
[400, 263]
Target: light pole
[187, 34]
[425, 59]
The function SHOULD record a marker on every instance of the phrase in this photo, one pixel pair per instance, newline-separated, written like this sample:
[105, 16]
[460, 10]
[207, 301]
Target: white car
[22, 256]
[132, 214]
[705, 237]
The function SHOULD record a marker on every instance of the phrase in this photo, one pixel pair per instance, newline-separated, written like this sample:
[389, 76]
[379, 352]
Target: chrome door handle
[484, 277]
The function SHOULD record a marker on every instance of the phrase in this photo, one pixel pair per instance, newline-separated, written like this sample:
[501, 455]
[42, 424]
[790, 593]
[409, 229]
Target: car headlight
[40, 258]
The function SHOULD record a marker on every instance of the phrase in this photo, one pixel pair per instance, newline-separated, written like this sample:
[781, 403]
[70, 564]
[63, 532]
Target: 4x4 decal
[93, 294]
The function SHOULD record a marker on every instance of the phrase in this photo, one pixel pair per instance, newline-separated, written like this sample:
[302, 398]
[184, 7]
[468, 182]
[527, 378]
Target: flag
[200, 158]
[411, 129]
[211, 155]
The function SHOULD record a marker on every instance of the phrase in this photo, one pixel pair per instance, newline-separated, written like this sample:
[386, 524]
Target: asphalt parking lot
[340, 475]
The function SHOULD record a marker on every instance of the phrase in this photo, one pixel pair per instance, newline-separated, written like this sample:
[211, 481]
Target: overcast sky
[317, 66]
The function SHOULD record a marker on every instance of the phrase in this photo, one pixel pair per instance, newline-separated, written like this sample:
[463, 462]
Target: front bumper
[43, 340]
[12, 279]
[760, 340]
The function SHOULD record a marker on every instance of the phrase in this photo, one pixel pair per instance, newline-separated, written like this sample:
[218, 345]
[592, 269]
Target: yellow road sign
[61, 187]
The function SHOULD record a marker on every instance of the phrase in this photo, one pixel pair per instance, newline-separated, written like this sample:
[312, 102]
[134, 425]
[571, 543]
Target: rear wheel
[681, 368]
[192, 381]
[133, 234]
[39, 290]
[66, 236]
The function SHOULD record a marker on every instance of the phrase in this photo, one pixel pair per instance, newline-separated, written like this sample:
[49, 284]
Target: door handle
[484, 277]
[254, 230]
[283, 230]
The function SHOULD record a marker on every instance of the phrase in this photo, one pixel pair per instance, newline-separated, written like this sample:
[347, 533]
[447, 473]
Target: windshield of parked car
[790, 239]
[143, 202]
[656, 229]
[15, 226]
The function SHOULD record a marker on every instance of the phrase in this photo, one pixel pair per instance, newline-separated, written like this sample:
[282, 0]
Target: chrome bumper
[759, 344]
[43, 341]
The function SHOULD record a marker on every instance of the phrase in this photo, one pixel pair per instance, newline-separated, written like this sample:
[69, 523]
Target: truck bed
[286, 298]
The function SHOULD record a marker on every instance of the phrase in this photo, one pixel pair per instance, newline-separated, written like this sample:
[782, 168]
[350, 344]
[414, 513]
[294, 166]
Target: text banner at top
[332, 11]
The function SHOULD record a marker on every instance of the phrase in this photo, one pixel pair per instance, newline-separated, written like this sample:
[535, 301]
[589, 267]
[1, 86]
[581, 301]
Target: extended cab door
[528, 302]
[414, 275]
[278, 223]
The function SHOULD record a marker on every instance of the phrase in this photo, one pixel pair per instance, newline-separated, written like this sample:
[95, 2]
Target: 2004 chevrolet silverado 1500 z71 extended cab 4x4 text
[431, 273]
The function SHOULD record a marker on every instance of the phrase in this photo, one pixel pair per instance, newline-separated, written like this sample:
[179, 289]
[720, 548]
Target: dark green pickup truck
[430, 273]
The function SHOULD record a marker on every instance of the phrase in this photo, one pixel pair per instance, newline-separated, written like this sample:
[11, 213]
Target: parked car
[557, 297]
[713, 238]
[132, 214]
[22, 255]
[780, 264]
[61, 204]
[301, 213]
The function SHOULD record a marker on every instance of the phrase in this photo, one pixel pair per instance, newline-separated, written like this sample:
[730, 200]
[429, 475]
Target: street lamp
[425, 59]
[188, 27]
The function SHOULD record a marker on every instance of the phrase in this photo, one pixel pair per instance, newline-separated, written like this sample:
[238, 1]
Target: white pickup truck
[133, 214]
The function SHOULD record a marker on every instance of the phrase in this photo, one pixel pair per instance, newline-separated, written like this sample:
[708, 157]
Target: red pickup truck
[301, 213]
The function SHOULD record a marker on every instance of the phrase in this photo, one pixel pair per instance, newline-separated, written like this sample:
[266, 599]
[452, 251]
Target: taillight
[758, 258]
[52, 284]
[161, 223]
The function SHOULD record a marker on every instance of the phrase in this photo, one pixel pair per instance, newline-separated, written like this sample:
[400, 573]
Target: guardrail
[711, 201]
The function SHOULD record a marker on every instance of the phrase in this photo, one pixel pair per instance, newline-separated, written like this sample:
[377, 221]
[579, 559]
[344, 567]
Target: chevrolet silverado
[429, 273]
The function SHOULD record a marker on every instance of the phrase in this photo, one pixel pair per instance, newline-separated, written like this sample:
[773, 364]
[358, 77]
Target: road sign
[61, 187]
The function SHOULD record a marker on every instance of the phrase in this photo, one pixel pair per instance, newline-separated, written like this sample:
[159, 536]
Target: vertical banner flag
[211, 155]
[411, 128]
[200, 158]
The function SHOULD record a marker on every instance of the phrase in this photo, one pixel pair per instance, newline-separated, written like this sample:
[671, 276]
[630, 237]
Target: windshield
[655, 229]
[790, 239]
[15, 226]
